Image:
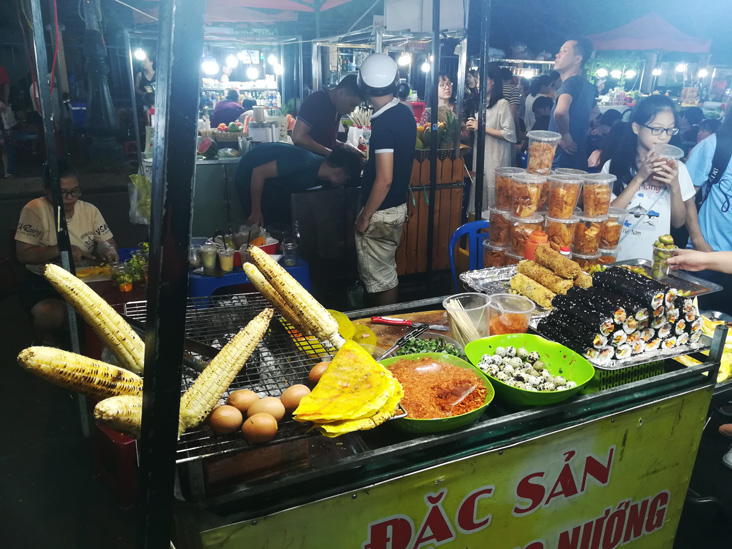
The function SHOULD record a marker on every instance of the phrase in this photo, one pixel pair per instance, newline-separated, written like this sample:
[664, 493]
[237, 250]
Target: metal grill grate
[276, 364]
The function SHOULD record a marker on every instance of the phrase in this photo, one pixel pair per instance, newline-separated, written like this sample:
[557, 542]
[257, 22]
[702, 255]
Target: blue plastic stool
[475, 246]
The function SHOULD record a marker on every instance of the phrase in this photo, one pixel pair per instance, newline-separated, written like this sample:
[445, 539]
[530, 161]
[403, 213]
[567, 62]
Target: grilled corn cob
[111, 328]
[266, 289]
[79, 373]
[313, 318]
[121, 413]
[205, 392]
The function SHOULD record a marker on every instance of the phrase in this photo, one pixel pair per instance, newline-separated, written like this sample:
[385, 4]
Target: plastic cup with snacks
[468, 316]
[560, 232]
[669, 154]
[504, 183]
[494, 256]
[226, 259]
[570, 171]
[597, 193]
[526, 194]
[499, 228]
[564, 190]
[587, 233]
[513, 258]
[661, 254]
[521, 229]
[612, 228]
[542, 146]
[586, 261]
[510, 314]
[607, 256]
[209, 252]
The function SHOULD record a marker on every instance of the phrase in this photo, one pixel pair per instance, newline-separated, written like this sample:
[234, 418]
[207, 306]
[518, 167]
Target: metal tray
[681, 280]
[496, 280]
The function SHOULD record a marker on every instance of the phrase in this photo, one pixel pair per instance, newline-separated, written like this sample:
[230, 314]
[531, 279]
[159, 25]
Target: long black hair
[494, 73]
[623, 163]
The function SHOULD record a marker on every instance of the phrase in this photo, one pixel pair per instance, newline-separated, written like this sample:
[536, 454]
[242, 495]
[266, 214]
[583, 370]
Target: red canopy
[650, 32]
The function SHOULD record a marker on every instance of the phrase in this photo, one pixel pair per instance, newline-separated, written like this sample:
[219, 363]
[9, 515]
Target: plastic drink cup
[612, 228]
[194, 257]
[564, 190]
[510, 314]
[504, 183]
[467, 314]
[289, 252]
[208, 256]
[597, 193]
[542, 146]
[226, 259]
[661, 254]
[526, 194]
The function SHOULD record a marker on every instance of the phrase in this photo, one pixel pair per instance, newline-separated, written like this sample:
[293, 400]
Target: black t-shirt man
[583, 100]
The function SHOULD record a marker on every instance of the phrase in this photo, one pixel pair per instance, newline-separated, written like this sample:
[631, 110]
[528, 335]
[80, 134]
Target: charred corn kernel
[111, 328]
[266, 289]
[121, 413]
[312, 316]
[204, 394]
[79, 373]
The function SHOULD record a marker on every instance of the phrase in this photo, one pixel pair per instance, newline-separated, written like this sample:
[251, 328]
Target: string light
[630, 73]
[210, 66]
[404, 60]
[140, 54]
[426, 67]
[252, 73]
[231, 61]
[601, 73]
[681, 67]
[656, 72]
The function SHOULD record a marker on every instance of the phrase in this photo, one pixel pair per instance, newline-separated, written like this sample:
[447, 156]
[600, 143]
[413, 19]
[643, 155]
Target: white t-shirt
[37, 226]
[649, 215]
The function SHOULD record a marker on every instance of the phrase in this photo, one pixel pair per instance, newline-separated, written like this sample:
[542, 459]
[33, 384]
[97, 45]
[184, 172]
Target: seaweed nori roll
[680, 327]
[665, 330]
[658, 311]
[658, 322]
[648, 292]
[669, 343]
[648, 334]
[618, 338]
[639, 347]
[623, 351]
[634, 338]
[630, 325]
[559, 324]
[672, 315]
[653, 344]
[695, 337]
[596, 316]
[683, 339]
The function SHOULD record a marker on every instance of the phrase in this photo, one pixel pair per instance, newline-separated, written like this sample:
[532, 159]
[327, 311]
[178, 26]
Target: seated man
[227, 111]
[270, 172]
[36, 245]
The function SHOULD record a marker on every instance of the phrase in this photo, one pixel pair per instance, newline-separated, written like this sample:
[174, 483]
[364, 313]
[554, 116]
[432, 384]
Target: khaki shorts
[376, 249]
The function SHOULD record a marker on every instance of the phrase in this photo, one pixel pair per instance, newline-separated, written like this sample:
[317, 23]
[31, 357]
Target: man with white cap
[385, 181]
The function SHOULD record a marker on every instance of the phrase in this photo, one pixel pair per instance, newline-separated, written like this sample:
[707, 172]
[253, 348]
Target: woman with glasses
[655, 191]
[36, 245]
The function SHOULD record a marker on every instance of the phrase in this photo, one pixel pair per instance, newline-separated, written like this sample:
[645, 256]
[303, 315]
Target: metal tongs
[412, 324]
[411, 334]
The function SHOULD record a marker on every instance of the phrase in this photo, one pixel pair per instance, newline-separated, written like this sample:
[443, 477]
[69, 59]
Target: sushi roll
[669, 343]
[639, 347]
[683, 339]
[643, 324]
[658, 311]
[653, 345]
[623, 305]
[569, 331]
[630, 325]
[579, 306]
[623, 351]
[695, 337]
[672, 316]
[648, 292]
[634, 338]
[665, 330]
[658, 322]
[696, 326]
[648, 334]
[690, 316]
[605, 355]
[671, 296]
[618, 338]
[680, 327]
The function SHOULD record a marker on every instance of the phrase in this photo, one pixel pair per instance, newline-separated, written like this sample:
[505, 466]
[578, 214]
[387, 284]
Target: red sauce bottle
[535, 238]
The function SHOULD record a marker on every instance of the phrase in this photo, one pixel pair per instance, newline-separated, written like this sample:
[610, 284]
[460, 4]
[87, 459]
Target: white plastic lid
[599, 179]
[542, 135]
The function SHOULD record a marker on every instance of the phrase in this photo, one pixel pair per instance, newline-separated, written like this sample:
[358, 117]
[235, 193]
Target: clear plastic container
[194, 257]
[504, 183]
[499, 229]
[226, 259]
[468, 316]
[513, 258]
[585, 261]
[607, 256]
[494, 256]
[661, 254]
[521, 229]
[587, 232]
[526, 194]
[564, 191]
[570, 171]
[289, 252]
[510, 314]
[597, 193]
[612, 228]
[560, 232]
[542, 146]
[209, 252]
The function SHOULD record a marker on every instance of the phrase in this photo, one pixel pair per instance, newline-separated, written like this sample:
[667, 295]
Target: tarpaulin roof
[650, 32]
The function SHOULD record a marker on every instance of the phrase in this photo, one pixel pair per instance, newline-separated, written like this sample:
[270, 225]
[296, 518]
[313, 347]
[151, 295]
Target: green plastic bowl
[423, 426]
[559, 360]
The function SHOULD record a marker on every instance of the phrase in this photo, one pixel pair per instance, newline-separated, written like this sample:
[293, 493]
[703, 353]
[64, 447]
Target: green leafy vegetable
[436, 345]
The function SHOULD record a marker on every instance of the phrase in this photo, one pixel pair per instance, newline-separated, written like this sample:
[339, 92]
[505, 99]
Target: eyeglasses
[445, 85]
[659, 131]
[73, 192]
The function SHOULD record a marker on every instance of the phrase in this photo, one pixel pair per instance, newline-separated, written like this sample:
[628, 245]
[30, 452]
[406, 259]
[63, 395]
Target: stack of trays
[623, 314]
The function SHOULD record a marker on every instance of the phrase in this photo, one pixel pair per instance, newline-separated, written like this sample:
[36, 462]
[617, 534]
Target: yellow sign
[615, 481]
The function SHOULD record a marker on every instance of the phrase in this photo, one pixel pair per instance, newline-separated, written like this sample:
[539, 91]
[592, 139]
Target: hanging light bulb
[231, 61]
[140, 54]
[656, 72]
[630, 73]
[681, 67]
[616, 74]
[252, 73]
[426, 67]
[703, 73]
[601, 73]
[404, 60]
[279, 69]
[210, 66]
[273, 60]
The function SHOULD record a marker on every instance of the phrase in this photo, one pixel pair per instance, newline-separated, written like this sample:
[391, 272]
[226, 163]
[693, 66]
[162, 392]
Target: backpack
[720, 161]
